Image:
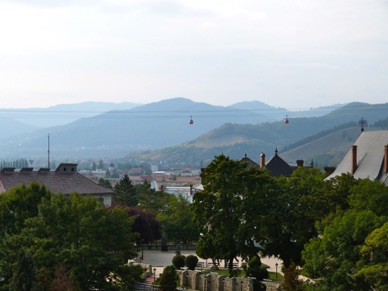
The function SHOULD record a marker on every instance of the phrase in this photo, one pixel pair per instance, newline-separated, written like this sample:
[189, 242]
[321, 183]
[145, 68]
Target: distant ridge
[323, 139]
[165, 125]
[64, 113]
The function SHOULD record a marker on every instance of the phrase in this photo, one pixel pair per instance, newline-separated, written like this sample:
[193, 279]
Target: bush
[178, 261]
[257, 269]
[191, 262]
[168, 280]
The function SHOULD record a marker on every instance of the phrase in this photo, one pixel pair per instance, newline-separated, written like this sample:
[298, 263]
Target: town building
[367, 158]
[276, 165]
[64, 179]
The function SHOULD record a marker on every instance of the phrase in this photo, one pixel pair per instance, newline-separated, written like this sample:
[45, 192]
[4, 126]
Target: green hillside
[322, 139]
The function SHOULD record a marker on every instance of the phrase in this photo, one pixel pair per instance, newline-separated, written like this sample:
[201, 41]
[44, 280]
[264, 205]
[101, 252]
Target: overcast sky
[295, 54]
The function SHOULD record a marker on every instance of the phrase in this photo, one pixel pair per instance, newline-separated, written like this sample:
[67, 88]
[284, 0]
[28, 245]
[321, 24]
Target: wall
[195, 280]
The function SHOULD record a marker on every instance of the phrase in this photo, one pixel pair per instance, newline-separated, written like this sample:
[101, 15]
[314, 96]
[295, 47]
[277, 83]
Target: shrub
[257, 269]
[191, 262]
[178, 261]
[168, 280]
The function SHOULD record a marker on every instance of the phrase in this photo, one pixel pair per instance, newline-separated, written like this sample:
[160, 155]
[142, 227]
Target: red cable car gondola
[191, 120]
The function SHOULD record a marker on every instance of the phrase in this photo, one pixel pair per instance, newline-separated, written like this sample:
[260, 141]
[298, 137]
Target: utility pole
[48, 151]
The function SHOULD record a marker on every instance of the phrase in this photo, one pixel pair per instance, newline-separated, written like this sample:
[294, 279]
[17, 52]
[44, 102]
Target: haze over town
[295, 54]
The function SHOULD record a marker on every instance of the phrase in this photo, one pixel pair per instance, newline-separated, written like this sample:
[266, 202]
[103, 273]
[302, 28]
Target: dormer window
[67, 168]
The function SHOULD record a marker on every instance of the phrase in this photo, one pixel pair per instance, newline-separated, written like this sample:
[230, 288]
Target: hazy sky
[288, 53]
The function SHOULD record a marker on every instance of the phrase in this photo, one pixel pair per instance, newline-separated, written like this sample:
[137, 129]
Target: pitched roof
[249, 161]
[370, 157]
[278, 167]
[57, 181]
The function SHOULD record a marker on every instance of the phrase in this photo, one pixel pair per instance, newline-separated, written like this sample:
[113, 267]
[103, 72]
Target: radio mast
[48, 151]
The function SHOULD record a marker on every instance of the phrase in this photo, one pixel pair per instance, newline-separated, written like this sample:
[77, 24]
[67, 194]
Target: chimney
[262, 160]
[386, 159]
[299, 163]
[354, 158]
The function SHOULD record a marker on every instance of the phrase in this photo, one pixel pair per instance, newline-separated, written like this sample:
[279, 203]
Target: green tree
[177, 221]
[292, 209]
[335, 257]
[151, 200]
[105, 183]
[223, 211]
[369, 195]
[375, 254]
[16, 206]
[168, 279]
[91, 242]
[352, 239]
[126, 193]
[24, 273]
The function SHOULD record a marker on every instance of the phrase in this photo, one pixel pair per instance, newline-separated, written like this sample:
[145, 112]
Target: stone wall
[195, 280]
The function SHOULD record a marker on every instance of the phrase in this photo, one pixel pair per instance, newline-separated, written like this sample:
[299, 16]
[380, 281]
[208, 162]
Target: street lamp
[142, 250]
[276, 270]
[154, 274]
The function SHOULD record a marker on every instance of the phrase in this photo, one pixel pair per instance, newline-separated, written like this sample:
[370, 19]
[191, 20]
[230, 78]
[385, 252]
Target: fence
[146, 287]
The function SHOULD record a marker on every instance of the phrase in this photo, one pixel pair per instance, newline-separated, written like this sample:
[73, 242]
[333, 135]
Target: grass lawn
[273, 277]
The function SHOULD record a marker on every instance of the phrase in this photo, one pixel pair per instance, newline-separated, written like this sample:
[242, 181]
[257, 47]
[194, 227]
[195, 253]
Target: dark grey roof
[249, 161]
[370, 157]
[55, 181]
[278, 167]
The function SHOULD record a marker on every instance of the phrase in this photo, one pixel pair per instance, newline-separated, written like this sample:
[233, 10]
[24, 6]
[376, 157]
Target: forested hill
[324, 139]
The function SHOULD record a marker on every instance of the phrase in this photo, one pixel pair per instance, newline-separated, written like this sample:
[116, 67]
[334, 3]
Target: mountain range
[161, 130]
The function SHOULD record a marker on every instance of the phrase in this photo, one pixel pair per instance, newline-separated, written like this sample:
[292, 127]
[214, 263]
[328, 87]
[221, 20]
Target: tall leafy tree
[291, 210]
[126, 193]
[375, 253]
[151, 200]
[24, 273]
[177, 221]
[145, 224]
[91, 243]
[335, 257]
[350, 251]
[16, 207]
[233, 193]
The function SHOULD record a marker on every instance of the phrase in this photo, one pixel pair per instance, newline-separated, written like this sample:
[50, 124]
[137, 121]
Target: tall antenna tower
[48, 151]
